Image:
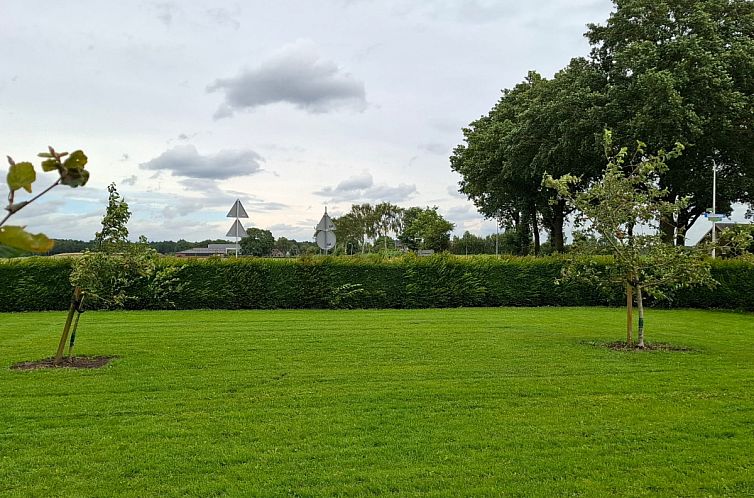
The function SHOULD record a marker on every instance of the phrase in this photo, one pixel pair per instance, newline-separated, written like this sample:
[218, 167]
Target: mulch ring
[655, 346]
[75, 362]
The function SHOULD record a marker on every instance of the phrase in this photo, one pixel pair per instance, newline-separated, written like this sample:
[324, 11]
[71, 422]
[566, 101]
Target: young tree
[115, 272]
[623, 209]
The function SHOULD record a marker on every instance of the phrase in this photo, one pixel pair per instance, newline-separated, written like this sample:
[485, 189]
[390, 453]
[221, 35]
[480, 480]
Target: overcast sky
[287, 105]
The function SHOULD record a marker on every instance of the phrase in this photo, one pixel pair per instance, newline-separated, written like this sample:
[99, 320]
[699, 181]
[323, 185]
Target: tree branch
[12, 211]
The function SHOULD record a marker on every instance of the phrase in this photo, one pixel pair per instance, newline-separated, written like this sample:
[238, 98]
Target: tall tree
[366, 219]
[683, 71]
[257, 242]
[538, 126]
[349, 232]
[388, 219]
[426, 229]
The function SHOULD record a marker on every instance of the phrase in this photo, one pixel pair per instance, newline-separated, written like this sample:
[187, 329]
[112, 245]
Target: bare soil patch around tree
[74, 362]
[655, 346]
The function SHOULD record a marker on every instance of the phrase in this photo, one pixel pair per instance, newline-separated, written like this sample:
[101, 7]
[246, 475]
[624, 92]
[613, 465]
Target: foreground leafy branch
[21, 175]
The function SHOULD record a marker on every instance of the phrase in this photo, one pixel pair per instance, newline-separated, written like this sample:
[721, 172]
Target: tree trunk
[640, 305]
[667, 229]
[67, 328]
[629, 315]
[535, 229]
[558, 219]
[683, 221]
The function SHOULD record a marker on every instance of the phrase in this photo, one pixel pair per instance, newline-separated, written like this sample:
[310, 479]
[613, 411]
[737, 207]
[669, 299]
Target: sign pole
[237, 211]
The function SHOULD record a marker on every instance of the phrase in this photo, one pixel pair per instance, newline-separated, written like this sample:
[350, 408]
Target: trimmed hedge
[33, 284]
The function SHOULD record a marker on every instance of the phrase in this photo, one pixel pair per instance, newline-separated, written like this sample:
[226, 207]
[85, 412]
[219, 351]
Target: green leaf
[13, 236]
[21, 175]
[75, 177]
[50, 164]
[45, 154]
[77, 160]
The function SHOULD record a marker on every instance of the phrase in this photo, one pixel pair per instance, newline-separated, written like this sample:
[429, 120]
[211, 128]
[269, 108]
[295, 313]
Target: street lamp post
[497, 234]
[714, 206]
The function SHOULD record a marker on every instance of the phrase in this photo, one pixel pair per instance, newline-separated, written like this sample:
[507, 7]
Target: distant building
[211, 250]
[719, 227]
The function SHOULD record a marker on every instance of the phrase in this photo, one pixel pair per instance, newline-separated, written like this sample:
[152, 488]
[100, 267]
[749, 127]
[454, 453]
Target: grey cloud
[453, 192]
[131, 180]
[213, 195]
[225, 17]
[295, 74]
[435, 148]
[258, 205]
[351, 186]
[481, 11]
[358, 182]
[462, 213]
[399, 193]
[165, 12]
[185, 160]
[362, 187]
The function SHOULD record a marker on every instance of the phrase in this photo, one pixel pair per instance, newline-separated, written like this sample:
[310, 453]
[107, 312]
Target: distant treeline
[163, 247]
[64, 246]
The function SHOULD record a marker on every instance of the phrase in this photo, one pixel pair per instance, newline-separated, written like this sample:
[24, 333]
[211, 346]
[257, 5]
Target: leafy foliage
[114, 234]
[117, 271]
[426, 229]
[539, 125]
[670, 71]
[623, 210]
[681, 71]
[257, 242]
[21, 176]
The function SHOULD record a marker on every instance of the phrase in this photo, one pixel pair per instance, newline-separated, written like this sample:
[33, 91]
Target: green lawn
[520, 402]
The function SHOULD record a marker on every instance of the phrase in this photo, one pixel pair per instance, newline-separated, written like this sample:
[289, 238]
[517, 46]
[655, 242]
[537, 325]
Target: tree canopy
[665, 71]
[683, 71]
[538, 126]
[257, 242]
